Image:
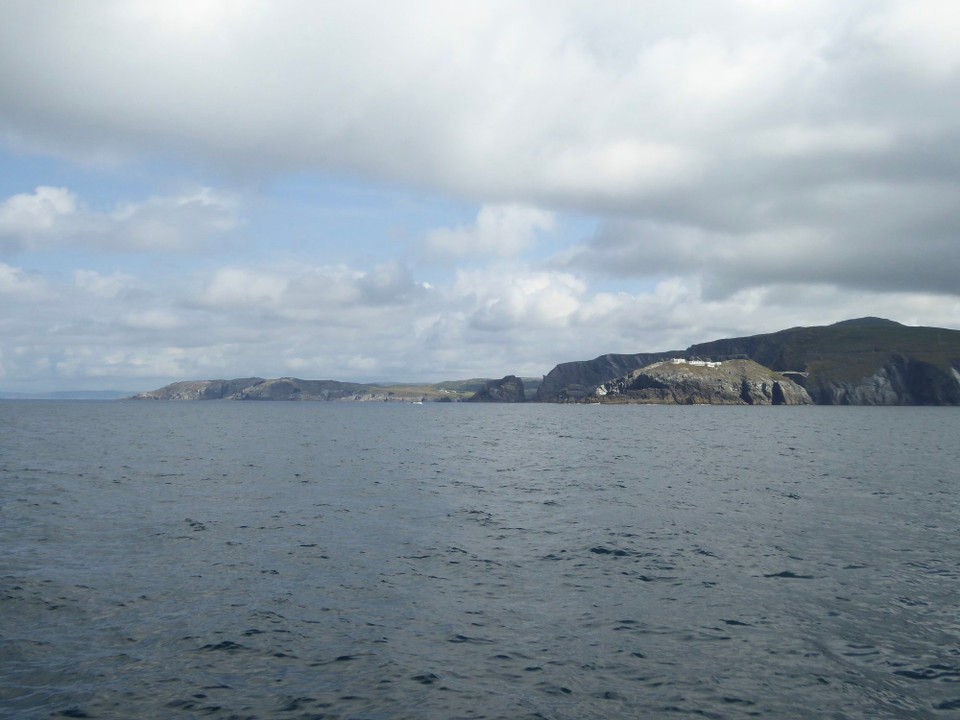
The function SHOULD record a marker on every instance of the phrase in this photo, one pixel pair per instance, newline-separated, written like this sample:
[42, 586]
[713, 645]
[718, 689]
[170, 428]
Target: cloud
[130, 332]
[499, 231]
[552, 102]
[103, 286]
[857, 235]
[644, 175]
[726, 117]
[25, 216]
[17, 285]
[299, 292]
[52, 217]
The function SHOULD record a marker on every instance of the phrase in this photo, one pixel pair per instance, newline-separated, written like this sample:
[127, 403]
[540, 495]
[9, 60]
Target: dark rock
[508, 389]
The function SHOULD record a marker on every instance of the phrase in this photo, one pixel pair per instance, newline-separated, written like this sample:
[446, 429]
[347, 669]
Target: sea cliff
[697, 382]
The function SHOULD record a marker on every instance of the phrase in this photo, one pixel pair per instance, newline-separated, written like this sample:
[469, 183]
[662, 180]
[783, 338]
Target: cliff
[574, 381]
[682, 382]
[867, 361]
[508, 389]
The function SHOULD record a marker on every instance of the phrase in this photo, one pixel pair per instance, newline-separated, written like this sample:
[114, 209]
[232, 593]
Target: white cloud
[499, 231]
[503, 300]
[921, 36]
[152, 320]
[52, 217]
[26, 216]
[17, 285]
[104, 286]
[243, 287]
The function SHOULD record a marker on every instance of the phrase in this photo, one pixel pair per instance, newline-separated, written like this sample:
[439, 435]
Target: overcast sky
[434, 190]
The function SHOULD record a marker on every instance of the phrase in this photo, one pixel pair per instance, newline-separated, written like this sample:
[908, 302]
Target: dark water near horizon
[324, 560]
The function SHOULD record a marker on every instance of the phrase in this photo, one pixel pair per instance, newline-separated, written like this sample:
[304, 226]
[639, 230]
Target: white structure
[696, 363]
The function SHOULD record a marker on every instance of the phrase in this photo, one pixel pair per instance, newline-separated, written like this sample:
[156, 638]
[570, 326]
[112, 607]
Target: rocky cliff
[574, 381]
[682, 382]
[868, 361]
[508, 389]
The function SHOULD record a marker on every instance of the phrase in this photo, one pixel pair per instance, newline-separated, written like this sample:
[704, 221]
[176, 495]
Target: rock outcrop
[574, 381]
[508, 389]
[682, 382]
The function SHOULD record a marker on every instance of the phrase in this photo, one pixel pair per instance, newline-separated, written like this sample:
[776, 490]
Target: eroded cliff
[681, 382]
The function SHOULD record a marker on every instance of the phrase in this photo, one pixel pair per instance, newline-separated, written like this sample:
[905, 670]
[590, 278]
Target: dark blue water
[326, 560]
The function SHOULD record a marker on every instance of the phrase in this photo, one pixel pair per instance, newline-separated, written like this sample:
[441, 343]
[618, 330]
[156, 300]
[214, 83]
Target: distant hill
[867, 361]
[287, 388]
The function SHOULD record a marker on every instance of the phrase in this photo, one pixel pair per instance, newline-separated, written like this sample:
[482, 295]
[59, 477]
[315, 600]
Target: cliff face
[508, 389]
[574, 381]
[733, 382]
[869, 361]
[898, 381]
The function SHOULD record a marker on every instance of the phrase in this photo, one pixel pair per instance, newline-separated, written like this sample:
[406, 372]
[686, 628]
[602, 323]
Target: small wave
[789, 574]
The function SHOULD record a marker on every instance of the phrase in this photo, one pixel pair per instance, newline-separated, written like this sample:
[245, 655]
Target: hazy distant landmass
[68, 395]
[867, 361]
[289, 388]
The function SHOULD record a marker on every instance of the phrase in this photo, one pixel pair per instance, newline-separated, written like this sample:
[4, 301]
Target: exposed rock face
[869, 361]
[899, 381]
[508, 389]
[574, 381]
[681, 382]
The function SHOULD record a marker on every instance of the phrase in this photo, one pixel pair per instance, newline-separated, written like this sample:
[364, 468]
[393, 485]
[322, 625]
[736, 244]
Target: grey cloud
[882, 241]
[388, 285]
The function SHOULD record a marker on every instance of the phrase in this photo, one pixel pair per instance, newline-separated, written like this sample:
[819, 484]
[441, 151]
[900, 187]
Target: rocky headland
[698, 382]
[867, 361]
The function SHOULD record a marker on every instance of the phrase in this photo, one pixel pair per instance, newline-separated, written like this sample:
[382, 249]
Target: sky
[433, 190]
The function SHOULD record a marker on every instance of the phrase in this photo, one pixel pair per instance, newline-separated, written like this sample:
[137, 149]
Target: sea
[389, 560]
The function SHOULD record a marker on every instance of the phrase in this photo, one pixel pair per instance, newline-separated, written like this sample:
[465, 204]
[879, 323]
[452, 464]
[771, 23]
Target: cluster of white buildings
[681, 361]
[698, 363]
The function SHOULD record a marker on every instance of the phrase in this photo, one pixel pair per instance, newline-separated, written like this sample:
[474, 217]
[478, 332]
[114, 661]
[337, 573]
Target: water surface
[308, 560]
